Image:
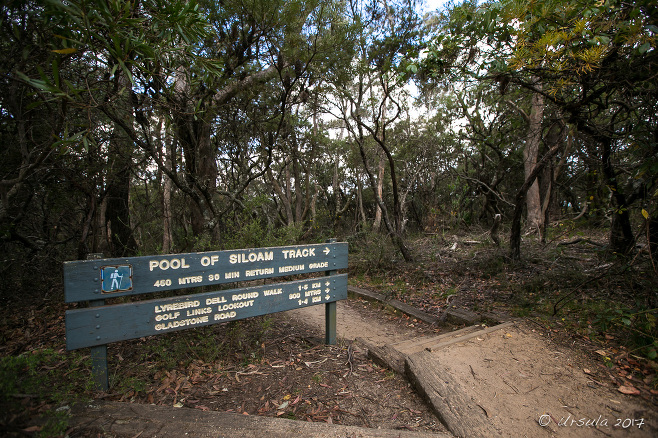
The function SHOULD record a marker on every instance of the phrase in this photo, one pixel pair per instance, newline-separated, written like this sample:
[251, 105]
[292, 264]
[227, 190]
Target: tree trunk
[167, 233]
[550, 207]
[283, 197]
[120, 150]
[396, 237]
[299, 196]
[515, 233]
[621, 233]
[204, 172]
[359, 194]
[336, 190]
[117, 218]
[377, 223]
[193, 135]
[530, 155]
[288, 197]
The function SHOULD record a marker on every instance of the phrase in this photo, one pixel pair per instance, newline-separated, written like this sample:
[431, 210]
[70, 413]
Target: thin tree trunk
[117, 218]
[377, 223]
[283, 197]
[167, 233]
[393, 233]
[299, 192]
[288, 200]
[548, 206]
[515, 233]
[359, 194]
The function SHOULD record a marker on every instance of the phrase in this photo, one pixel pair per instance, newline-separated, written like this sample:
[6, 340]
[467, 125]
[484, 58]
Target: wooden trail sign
[98, 279]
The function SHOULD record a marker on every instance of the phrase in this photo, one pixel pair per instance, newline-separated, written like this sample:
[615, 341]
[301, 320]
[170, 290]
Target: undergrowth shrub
[43, 379]
[371, 252]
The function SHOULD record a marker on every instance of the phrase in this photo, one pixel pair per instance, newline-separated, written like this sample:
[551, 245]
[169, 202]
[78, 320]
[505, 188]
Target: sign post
[95, 280]
[330, 314]
[99, 352]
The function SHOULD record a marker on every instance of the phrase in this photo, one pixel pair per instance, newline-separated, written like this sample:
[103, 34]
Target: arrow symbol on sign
[327, 297]
[327, 283]
[326, 250]
[327, 290]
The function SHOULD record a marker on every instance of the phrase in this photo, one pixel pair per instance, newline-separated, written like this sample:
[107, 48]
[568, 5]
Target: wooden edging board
[138, 420]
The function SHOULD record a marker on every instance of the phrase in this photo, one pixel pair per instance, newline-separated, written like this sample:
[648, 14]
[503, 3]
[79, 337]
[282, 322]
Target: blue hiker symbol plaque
[116, 278]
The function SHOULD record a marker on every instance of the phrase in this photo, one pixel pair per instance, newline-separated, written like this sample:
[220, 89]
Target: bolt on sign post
[95, 280]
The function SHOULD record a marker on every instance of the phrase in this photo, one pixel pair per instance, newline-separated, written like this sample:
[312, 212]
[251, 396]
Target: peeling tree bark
[530, 155]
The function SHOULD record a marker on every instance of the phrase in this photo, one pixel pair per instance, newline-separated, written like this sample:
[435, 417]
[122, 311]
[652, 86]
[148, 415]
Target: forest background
[154, 127]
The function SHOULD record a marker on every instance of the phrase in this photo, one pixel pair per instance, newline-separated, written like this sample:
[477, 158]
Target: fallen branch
[580, 239]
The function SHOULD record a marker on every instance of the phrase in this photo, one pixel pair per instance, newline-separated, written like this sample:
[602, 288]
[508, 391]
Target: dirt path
[527, 384]
[359, 319]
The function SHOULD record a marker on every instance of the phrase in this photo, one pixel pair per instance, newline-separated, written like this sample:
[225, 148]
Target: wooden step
[435, 343]
[418, 344]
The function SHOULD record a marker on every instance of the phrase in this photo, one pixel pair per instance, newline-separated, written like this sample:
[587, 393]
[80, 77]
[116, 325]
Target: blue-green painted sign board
[101, 325]
[98, 279]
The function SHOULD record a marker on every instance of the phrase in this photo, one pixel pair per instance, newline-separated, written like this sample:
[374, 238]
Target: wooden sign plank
[101, 325]
[97, 279]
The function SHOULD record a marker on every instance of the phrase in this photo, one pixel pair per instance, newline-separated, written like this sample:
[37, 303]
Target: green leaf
[626, 321]
[413, 68]
[645, 214]
[652, 354]
[644, 48]
[67, 51]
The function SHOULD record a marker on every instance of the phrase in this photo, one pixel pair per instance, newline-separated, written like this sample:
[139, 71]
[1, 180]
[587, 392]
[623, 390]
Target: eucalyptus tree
[271, 56]
[596, 64]
[488, 138]
[588, 69]
[189, 88]
[95, 55]
[369, 97]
